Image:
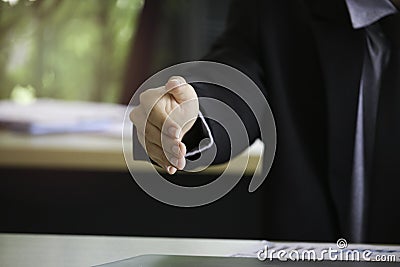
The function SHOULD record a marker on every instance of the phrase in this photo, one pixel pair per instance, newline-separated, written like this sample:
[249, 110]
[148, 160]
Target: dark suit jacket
[307, 58]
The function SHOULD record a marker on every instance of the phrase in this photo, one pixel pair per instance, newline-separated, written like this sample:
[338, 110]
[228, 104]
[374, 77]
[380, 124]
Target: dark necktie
[383, 41]
[375, 59]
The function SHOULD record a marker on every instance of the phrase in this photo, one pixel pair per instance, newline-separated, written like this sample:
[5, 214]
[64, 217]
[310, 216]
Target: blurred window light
[73, 50]
[23, 94]
[11, 2]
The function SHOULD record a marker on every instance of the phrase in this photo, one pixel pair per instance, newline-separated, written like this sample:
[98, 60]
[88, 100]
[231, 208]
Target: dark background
[111, 203]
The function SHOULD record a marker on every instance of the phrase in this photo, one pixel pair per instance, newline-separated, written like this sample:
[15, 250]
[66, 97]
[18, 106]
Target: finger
[171, 145]
[181, 163]
[162, 162]
[186, 125]
[154, 135]
[182, 148]
[178, 161]
[150, 97]
[159, 118]
[171, 170]
[180, 89]
[163, 158]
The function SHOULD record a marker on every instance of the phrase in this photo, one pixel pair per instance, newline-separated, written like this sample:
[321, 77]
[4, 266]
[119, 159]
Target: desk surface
[58, 250]
[20, 250]
[83, 151]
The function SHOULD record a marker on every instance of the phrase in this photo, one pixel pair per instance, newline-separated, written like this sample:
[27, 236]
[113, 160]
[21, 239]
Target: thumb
[180, 89]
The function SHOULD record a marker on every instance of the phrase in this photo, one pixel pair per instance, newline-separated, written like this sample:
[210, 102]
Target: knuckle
[177, 77]
[150, 95]
[157, 110]
[153, 107]
[158, 114]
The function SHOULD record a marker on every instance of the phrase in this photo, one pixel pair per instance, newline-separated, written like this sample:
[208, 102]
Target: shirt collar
[365, 12]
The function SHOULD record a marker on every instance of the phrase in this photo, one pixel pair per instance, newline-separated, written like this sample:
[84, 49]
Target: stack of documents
[46, 116]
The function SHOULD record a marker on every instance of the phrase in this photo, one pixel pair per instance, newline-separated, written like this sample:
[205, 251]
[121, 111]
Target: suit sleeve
[237, 47]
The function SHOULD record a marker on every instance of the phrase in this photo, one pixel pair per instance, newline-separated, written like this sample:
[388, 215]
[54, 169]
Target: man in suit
[331, 73]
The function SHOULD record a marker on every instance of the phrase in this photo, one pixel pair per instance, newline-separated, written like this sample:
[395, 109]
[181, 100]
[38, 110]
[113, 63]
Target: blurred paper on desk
[47, 116]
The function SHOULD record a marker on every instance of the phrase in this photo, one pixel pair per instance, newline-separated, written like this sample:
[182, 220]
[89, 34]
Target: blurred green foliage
[66, 49]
